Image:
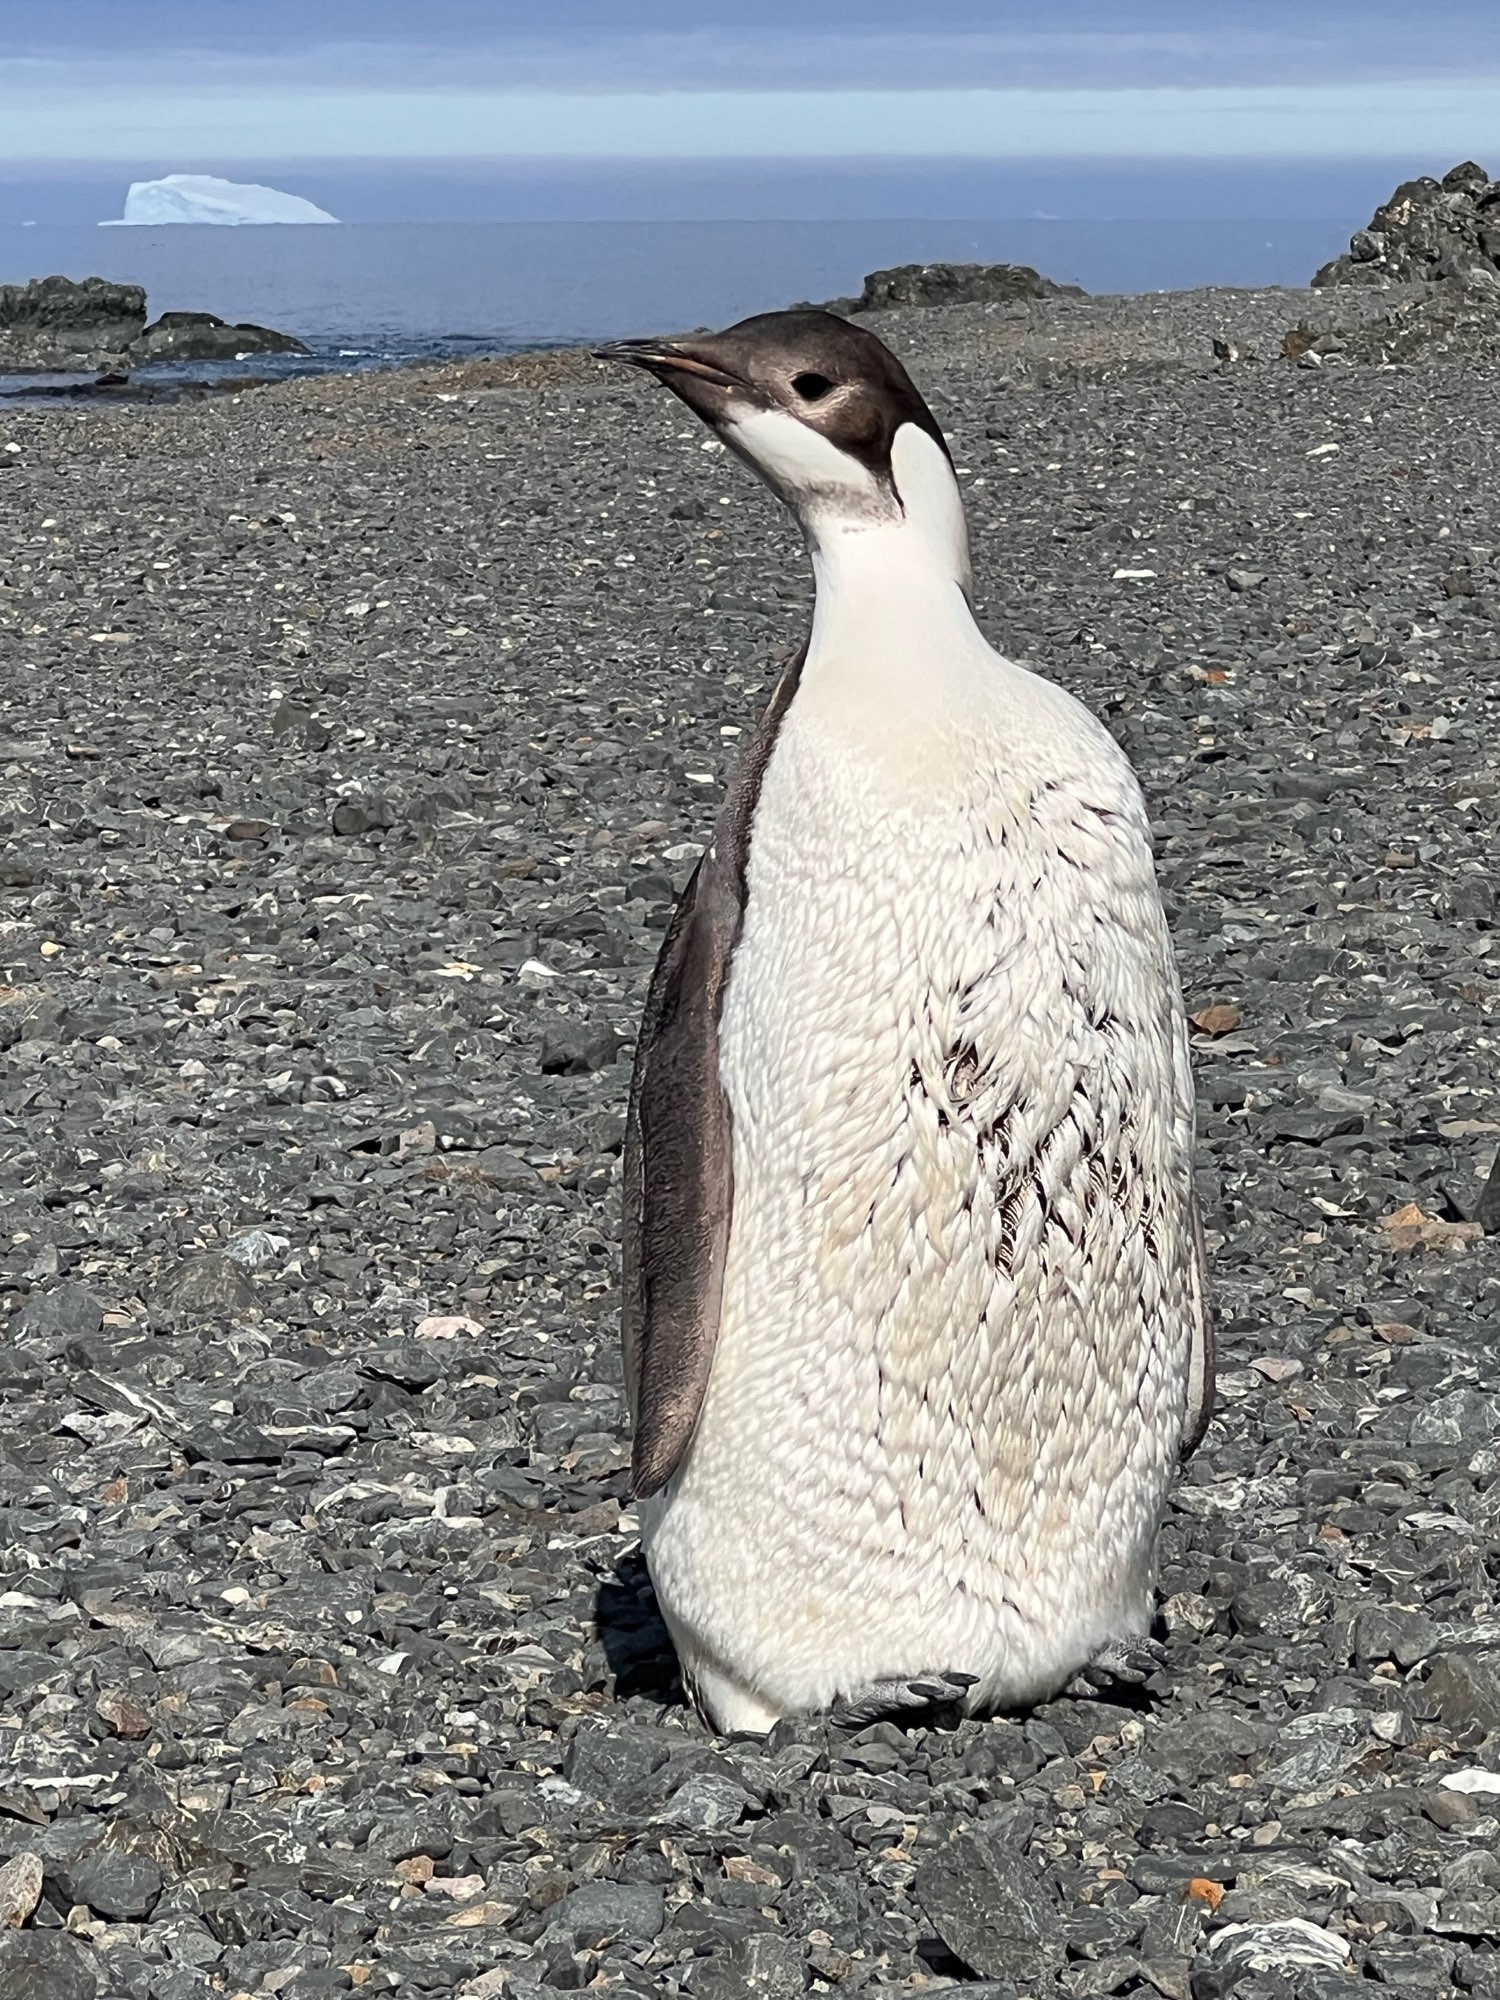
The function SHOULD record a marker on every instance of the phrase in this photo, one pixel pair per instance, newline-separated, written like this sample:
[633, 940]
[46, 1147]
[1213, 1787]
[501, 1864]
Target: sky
[480, 110]
[222, 84]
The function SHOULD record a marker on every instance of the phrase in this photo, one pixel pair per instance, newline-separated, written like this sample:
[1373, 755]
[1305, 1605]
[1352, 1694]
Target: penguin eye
[810, 387]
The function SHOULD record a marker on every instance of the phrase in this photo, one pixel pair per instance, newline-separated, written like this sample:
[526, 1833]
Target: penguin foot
[884, 1699]
[1123, 1663]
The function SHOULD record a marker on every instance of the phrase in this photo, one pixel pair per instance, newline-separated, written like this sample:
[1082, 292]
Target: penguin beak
[678, 363]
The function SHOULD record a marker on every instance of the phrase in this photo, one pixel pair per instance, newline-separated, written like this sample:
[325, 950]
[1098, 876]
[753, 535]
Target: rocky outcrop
[185, 336]
[1444, 232]
[957, 285]
[67, 325]
[61, 323]
[948, 285]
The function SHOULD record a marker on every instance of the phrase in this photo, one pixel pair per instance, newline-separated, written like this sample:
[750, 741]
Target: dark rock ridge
[187, 336]
[64, 323]
[1429, 231]
[958, 285]
[951, 285]
[61, 324]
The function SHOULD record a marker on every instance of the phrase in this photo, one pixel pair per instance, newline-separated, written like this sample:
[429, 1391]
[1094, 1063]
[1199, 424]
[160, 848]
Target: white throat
[894, 585]
[893, 636]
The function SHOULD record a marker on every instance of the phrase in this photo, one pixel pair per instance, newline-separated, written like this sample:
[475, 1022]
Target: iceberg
[205, 198]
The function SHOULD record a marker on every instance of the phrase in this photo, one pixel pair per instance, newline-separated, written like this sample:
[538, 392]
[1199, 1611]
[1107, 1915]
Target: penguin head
[827, 416]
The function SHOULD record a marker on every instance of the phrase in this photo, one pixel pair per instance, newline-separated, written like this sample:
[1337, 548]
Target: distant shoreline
[1039, 342]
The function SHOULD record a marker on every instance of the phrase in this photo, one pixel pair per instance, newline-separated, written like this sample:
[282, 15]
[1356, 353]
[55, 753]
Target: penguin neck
[892, 614]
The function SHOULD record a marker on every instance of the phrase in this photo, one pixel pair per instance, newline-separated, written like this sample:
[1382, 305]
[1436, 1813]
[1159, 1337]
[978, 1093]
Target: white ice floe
[205, 198]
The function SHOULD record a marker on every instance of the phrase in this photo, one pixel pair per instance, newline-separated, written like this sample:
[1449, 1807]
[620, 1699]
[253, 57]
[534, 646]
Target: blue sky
[225, 85]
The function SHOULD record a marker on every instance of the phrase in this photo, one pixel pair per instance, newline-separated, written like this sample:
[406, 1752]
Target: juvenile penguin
[914, 1311]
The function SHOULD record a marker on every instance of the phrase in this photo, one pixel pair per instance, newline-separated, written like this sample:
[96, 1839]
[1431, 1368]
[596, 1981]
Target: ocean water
[370, 294]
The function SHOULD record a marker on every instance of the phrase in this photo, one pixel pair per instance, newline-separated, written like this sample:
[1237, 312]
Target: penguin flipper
[679, 1163]
[1200, 1390]
[678, 1181]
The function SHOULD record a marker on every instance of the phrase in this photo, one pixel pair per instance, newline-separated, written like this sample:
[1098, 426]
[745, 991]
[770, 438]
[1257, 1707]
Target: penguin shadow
[637, 1646]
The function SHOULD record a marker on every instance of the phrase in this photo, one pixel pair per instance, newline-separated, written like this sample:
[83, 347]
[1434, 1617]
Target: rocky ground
[354, 737]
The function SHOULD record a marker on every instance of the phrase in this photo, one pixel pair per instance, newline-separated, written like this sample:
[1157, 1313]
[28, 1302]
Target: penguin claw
[1123, 1663]
[894, 1698]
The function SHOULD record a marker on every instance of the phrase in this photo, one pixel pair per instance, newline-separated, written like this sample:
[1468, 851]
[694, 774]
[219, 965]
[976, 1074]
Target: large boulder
[61, 323]
[68, 325]
[1429, 232]
[188, 336]
[957, 285]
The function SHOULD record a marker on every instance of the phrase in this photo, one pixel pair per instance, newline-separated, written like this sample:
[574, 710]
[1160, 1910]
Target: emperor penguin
[914, 1310]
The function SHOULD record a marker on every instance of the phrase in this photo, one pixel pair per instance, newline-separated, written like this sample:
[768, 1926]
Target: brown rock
[20, 1889]
[122, 1715]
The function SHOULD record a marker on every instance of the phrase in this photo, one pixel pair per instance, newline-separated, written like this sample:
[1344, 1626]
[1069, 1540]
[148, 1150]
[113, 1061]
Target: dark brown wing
[1200, 1398]
[679, 1180]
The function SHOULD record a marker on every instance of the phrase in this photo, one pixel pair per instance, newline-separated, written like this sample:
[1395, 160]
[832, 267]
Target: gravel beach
[355, 737]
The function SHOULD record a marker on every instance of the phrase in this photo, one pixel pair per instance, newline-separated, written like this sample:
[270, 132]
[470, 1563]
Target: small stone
[298, 725]
[1288, 1946]
[255, 1248]
[1448, 1810]
[122, 1715]
[764, 1966]
[122, 1887]
[1472, 1780]
[603, 1763]
[65, 1311]
[207, 1284]
[611, 1910]
[1383, 1632]
[497, 1984]
[20, 1889]
[576, 1048]
[446, 1326]
[986, 1904]
[45, 1965]
[480, 1916]
[1173, 1874]
[1464, 1691]
[1313, 1127]
[458, 1888]
[365, 813]
[1409, 1228]
[1218, 1019]
[1422, 1967]
[708, 1802]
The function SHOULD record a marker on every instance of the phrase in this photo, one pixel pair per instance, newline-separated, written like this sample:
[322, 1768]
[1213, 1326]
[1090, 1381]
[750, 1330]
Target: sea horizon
[366, 294]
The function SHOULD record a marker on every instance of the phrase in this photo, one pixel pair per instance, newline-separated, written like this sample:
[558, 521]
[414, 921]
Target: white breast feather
[949, 1385]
